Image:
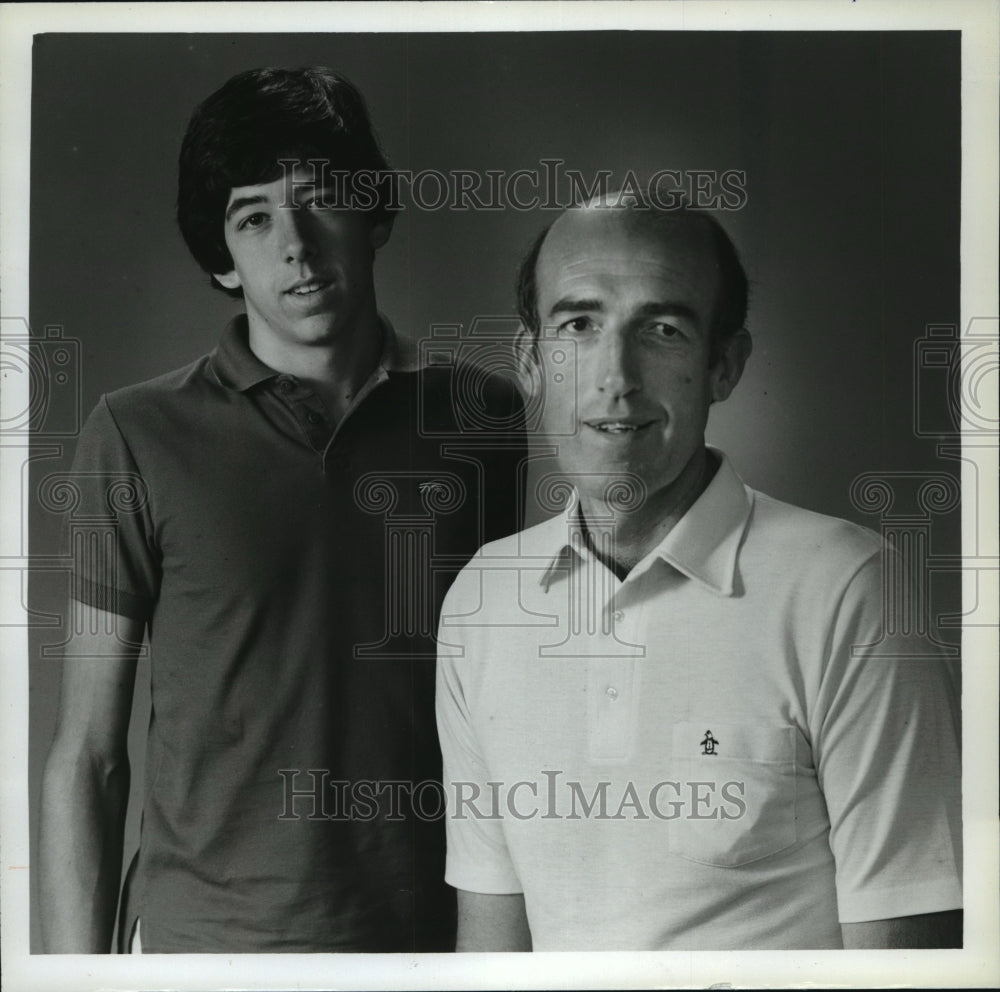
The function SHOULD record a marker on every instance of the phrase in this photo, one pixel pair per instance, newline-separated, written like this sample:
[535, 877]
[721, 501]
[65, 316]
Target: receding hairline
[666, 227]
[732, 289]
[640, 218]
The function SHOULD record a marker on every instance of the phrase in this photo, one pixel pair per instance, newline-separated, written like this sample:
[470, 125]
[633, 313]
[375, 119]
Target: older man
[669, 716]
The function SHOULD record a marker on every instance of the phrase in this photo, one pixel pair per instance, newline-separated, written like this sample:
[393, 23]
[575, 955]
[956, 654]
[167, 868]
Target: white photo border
[978, 964]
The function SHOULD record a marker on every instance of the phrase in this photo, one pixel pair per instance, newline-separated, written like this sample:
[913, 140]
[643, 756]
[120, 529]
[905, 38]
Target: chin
[321, 328]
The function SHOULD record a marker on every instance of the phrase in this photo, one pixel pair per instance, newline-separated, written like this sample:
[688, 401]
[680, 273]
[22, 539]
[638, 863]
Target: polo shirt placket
[610, 636]
[308, 411]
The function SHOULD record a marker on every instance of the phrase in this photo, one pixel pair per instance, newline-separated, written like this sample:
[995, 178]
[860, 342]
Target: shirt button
[313, 417]
[612, 692]
[619, 615]
[284, 385]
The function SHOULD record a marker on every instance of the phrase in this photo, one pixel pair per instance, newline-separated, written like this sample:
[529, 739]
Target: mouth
[625, 426]
[309, 287]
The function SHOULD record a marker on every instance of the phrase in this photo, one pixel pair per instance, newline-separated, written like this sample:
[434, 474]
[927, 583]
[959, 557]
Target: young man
[295, 509]
[674, 717]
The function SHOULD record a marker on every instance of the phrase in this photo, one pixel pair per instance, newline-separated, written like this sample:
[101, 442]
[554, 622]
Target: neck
[634, 533]
[336, 370]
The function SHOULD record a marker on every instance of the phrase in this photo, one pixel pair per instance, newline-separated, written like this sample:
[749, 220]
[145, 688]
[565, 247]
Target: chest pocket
[739, 786]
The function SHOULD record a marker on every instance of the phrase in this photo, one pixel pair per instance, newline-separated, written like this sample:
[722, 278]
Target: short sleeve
[477, 856]
[887, 745]
[108, 527]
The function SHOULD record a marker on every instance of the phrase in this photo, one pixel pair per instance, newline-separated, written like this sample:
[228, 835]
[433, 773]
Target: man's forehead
[285, 181]
[620, 242]
[638, 224]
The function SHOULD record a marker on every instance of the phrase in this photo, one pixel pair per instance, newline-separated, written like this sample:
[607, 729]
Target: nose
[617, 369]
[297, 242]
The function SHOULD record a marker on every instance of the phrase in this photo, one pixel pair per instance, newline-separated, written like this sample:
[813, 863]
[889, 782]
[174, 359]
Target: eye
[664, 331]
[576, 325]
[252, 221]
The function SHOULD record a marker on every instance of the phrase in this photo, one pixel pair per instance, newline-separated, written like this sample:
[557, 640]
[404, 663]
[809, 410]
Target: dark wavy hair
[730, 311]
[237, 136]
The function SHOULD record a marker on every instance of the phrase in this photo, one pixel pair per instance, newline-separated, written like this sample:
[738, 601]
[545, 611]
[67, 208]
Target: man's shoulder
[164, 388]
[150, 407]
[540, 541]
[493, 584]
[808, 536]
[532, 548]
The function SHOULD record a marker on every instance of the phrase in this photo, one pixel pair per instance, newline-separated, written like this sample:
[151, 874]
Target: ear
[228, 280]
[526, 356]
[728, 368]
[378, 235]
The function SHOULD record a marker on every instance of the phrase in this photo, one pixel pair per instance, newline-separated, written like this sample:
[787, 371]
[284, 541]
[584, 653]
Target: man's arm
[477, 851]
[923, 930]
[492, 922]
[85, 786]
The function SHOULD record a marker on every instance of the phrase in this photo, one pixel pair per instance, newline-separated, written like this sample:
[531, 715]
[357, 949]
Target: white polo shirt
[721, 751]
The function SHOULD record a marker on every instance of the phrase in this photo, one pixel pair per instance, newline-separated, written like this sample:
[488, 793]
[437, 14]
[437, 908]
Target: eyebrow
[654, 309]
[569, 305]
[669, 310]
[244, 201]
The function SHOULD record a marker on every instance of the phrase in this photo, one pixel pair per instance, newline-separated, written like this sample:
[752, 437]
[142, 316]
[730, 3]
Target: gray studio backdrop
[851, 149]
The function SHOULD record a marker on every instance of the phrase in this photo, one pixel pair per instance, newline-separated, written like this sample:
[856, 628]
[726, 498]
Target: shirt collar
[389, 360]
[238, 368]
[235, 365]
[703, 545]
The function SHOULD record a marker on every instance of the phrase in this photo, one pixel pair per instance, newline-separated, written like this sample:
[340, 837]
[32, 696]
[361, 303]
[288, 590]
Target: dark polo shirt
[291, 576]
